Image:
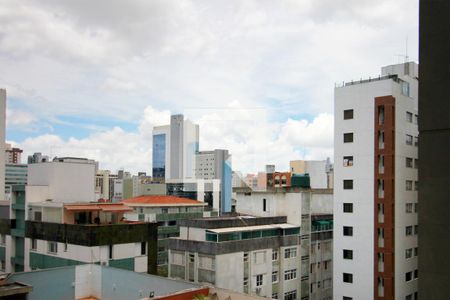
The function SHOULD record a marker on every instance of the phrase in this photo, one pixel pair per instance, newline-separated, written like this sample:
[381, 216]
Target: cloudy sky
[91, 78]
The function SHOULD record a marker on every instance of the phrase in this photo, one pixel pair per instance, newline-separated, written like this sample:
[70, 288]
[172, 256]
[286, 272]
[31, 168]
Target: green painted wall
[42, 261]
[126, 263]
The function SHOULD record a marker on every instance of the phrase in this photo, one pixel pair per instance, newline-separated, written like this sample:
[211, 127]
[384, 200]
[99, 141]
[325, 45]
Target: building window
[348, 137]
[259, 280]
[143, 248]
[348, 277]
[409, 162]
[409, 117]
[52, 247]
[408, 230]
[348, 114]
[416, 251]
[347, 298]
[264, 204]
[274, 255]
[409, 184]
[245, 281]
[274, 276]
[348, 231]
[409, 208]
[245, 256]
[290, 252]
[348, 161]
[292, 295]
[348, 184]
[416, 229]
[416, 119]
[416, 163]
[416, 185]
[408, 276]
[164, 210]
[416, 141]
[348, 207]
[274, 295]
[110, 251]
[347, 254]
[408, 253]
[409, 139]
[290, 274]
[33, 244]
[416, 274]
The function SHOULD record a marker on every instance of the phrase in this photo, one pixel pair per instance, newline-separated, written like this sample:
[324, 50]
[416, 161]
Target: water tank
[301, 180]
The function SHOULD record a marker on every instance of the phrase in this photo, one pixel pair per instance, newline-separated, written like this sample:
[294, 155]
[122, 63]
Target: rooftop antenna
[406, 50]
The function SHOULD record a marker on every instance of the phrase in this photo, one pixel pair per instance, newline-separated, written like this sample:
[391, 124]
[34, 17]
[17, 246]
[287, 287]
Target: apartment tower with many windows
[375, 186]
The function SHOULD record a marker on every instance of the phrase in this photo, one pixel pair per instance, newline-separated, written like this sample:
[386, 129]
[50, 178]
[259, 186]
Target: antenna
[406, 50]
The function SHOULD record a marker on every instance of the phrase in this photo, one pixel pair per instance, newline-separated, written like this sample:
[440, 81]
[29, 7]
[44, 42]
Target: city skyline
[92, 84]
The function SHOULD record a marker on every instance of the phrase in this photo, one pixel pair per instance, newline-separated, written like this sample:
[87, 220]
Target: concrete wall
[67, 182]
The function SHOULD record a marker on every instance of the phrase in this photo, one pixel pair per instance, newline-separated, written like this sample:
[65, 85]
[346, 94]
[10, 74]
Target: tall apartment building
[13, 155]
[37, 157]
[258, 256]
[174, 148]
[216, 164]
[375, 187]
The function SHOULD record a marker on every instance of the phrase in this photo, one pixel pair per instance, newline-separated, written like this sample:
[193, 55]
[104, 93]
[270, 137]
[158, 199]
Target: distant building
[203, 190]
[37, 157]
[2, 142]
[15, 174]
[167, 211]
[174, 148]
[320, 172]
[258, 256]
[12, 155]
[216, 164]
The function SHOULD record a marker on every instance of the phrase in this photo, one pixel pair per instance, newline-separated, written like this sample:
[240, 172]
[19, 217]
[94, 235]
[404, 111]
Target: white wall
[67, 182]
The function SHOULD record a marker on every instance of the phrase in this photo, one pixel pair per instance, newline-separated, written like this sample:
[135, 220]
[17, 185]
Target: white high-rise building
[174, 148]
[375, 186]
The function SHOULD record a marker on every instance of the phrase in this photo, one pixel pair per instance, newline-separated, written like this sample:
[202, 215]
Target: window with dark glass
[348, 137]
[348, 207]
[348, 114]
[348, 230]
[348, 277]
[348, 254]
[348, 184]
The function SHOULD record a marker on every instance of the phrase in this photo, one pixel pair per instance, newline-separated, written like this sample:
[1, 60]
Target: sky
[91, 78]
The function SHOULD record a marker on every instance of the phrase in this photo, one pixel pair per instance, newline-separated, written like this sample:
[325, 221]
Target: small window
[416, 141]
[259, 280]
[348, 161]
[290, 252]
[347, 254]
[274, 276]
[409, 139]
[348, 184]
[408, 253]
[348, 231]
[409, 185]
[409, 117]
[348, 277]
[143, 248]
[348, 207]
[347, 298]
[408, 276]
[409, 162]
[245, 256]
[52, 247]
[264, 204]
[416, 274]
[348, 138]
[408, 230]
[348, 114]
[165, 210]
[274, 255]
[292, 295]
[409, 208]
[110, 252]
[245, 281]
[290, 274]
[33, 244]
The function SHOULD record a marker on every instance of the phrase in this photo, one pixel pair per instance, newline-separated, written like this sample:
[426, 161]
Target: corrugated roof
[161, 200]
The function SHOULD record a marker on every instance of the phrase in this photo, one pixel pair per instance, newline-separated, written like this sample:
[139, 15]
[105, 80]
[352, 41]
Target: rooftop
[161, 200]
[103, 207]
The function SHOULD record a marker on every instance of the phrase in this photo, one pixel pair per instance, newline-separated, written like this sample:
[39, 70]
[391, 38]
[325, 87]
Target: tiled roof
[165, 200]
[106, 207]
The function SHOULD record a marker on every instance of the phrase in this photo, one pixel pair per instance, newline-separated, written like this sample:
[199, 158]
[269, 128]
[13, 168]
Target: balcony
[92, 235]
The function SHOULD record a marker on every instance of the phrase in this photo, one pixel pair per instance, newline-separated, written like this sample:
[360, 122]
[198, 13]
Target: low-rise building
[246, 254]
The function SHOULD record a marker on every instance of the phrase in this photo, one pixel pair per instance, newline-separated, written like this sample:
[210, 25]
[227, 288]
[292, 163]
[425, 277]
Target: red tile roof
[167, 200]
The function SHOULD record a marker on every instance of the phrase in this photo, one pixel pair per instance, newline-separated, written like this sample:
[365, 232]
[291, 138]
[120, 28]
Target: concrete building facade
[245, 254]
[375, 187]
[13, 155]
